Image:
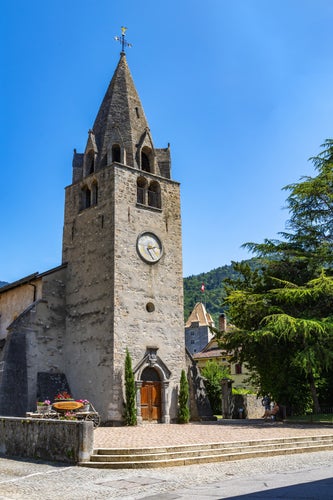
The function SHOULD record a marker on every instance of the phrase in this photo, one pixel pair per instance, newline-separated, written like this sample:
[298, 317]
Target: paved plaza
[306, 476]
[154, 435]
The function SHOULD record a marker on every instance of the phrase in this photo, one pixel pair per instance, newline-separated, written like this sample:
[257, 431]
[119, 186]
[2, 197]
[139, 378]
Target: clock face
[149, 247]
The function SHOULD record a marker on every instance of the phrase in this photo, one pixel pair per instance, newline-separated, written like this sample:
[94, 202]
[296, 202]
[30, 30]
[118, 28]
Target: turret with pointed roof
[197, 329]
[199, 316]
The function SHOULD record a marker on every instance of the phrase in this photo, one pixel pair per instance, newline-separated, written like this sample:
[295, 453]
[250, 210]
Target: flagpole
[203, 291]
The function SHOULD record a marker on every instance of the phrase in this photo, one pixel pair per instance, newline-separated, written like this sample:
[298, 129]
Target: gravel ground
[40, 480]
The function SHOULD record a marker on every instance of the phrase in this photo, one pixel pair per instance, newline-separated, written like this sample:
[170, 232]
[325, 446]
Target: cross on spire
[122, 40]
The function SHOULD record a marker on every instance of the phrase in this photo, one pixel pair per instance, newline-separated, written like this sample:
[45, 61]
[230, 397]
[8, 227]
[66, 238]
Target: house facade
[212, 351]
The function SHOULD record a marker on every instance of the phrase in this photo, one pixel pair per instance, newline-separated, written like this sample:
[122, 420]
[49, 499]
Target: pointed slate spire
[121, 120]
[121, 132]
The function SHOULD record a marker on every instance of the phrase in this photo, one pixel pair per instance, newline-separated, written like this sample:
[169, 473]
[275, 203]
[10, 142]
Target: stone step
[198, 454]
[142, 454]
[200, 446]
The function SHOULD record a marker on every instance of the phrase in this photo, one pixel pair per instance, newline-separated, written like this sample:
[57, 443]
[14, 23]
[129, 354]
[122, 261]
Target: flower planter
[66, 405]
[43, 408]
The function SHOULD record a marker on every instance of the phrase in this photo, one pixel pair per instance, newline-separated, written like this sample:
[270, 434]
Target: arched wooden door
[151, 399]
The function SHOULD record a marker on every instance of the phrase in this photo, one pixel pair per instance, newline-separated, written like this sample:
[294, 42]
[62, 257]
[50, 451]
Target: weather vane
[122, 40]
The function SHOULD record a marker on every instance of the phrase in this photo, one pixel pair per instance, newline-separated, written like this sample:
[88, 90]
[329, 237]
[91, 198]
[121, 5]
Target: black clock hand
[149, 251]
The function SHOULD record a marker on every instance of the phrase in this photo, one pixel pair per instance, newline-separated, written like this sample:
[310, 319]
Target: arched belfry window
[141, 188]
[90, 162]
[116, 153]
[146, 160]
[154, 195]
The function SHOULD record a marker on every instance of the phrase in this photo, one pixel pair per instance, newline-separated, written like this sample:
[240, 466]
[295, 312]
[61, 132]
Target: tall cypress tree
[130, 407]
[183, 398]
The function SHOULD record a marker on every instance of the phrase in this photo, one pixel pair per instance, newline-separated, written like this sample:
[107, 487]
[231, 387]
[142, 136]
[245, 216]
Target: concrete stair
[167, 456]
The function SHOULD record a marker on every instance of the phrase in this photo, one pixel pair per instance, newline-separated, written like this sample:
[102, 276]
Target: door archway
[151, 395]
[152, 369]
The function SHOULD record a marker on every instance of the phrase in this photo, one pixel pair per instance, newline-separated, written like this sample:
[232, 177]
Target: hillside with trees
[214, 294]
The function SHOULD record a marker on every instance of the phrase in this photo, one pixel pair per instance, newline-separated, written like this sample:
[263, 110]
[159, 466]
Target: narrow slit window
[94, 194]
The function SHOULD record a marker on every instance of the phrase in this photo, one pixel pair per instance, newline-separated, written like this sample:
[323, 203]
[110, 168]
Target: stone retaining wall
[54, 440]
[249, 405]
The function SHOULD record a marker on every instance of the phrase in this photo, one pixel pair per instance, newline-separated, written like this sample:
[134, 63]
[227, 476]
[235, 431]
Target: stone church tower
[121, 277]
[122, 245]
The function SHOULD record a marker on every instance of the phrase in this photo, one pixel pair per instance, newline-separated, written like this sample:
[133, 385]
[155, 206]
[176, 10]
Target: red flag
[203, 287]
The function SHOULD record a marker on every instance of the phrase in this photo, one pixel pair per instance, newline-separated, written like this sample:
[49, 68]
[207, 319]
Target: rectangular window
[140, 195]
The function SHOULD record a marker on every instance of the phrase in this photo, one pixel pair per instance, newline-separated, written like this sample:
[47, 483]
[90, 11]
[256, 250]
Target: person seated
[272, 413]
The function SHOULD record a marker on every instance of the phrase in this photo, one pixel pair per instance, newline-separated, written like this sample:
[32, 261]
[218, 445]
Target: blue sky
[242, 90]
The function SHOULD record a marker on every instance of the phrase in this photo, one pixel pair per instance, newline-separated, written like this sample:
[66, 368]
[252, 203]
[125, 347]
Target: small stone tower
[197, 329]
[123, 250]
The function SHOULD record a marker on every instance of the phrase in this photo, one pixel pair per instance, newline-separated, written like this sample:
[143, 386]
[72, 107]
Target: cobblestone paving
[210, 432]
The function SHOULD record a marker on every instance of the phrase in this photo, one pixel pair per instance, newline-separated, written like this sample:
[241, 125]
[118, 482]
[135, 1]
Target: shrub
[183, 398]
[130, 407]
[213, 373]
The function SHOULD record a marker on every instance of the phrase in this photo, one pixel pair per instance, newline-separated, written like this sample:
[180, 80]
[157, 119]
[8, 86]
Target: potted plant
[43, 406]
[85, 403]
[69, 415]
[63, 396]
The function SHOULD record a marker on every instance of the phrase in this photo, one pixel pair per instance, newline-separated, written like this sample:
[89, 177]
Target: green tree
[285, 334]
[183, 400]
[309, 242]
[130, 406]
[283, 309]
[310, 203]
[213, 374]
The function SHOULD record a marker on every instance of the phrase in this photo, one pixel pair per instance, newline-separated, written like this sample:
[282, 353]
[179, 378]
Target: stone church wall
[88, 247]
[16, 298]
[138, 283]
[34, 344]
